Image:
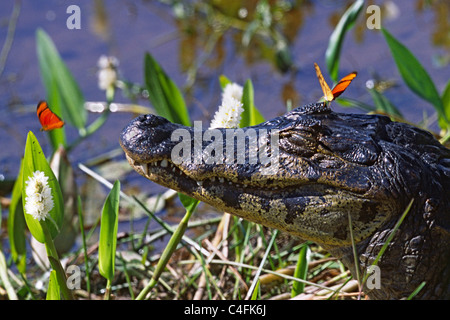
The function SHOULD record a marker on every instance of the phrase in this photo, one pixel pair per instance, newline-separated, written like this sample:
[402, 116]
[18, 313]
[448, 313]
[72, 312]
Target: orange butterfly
[338, 89]
[47, 118]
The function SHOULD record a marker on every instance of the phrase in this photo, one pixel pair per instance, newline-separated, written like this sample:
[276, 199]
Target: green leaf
[256, 291]
[301, 271]
[414, 75]
[188, 203]
[163, 93]
[337, 38]
[446, 102]
[283, 56]
[34, 159]
[63, 92]
[223, 80]
[446, 99]
[57, 137]
[53, 292]
[383, 104]
[251, 115]
[352, 103]
[16, 225]
[108, 233]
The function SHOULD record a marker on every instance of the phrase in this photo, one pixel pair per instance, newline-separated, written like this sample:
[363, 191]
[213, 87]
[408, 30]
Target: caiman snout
[146, 137]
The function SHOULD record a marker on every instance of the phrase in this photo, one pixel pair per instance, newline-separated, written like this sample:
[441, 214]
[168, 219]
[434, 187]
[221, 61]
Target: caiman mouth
[183, 179]
[171, 175]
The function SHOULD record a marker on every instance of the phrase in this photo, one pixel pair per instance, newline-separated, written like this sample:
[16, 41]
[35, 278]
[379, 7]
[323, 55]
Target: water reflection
[272, 42]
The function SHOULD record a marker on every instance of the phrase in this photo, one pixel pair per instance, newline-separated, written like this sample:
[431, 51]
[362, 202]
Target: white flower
[39, 199]
[107, 73]
[229, 113]
[232, 90]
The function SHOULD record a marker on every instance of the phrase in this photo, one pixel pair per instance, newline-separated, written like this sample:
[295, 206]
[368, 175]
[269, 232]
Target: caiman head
[309, 173]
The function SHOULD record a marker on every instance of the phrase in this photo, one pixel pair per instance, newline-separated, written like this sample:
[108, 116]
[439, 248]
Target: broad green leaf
[251, 115]
[53, 292]
[163, 93]
[446, 99]
[16, 225]
[34, 160]
[414, 75]
[446, 102]
[337, 38]
[108, 233]
[383, 104]
[63, 92]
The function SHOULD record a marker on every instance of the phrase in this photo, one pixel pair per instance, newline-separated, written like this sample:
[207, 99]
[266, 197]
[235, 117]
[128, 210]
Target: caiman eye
[302, 138]
[298, 142]
[361, 151]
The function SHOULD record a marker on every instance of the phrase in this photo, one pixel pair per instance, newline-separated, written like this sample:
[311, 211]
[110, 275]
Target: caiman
[331, 169]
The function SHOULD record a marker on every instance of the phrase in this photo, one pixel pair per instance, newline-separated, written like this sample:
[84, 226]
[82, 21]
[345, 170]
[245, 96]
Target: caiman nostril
[151, 120]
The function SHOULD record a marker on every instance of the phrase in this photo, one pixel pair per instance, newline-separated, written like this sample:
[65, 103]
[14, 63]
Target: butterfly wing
[343, 84]
[47, 118]
[328, 94]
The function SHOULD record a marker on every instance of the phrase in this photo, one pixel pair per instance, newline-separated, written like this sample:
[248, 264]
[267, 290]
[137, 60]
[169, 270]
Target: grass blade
[84, 245]
[383, 104]
[260, 268]
[416, 291]
[390, 237]
[5, 279]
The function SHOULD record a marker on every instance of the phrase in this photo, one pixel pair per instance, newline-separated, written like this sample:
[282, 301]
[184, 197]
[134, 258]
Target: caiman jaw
[315, 211]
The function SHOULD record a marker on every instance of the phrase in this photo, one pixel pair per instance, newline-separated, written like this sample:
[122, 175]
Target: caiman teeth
[143, 167]
[146, 169]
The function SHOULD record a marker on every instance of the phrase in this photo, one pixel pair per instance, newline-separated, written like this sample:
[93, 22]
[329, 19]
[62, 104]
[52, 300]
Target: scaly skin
[329, 166]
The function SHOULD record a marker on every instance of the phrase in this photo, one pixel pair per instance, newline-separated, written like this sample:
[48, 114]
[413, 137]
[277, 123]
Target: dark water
[128, 29]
